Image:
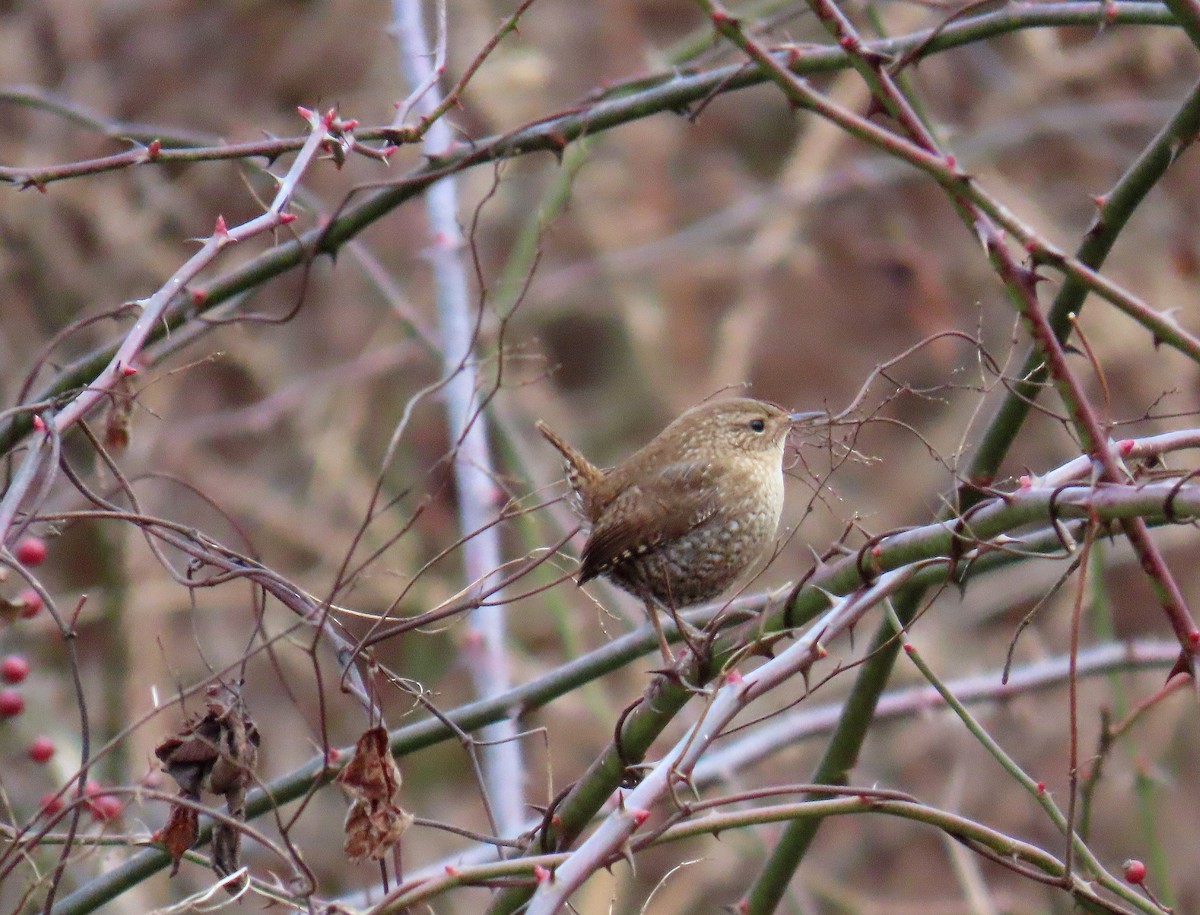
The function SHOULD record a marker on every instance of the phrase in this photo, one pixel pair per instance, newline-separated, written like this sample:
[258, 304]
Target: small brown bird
[677, 522]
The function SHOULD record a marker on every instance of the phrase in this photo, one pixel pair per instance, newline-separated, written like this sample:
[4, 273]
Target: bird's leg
[686, 630]
[652, 612]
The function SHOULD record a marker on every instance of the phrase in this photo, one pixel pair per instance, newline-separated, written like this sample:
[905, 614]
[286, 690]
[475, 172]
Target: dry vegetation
[300, 450]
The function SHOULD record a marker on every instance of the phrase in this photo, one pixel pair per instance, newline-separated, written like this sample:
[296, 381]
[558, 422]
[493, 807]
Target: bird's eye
[758, 425]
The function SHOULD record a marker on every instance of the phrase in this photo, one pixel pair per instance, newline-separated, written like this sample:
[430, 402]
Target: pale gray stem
[474, 476]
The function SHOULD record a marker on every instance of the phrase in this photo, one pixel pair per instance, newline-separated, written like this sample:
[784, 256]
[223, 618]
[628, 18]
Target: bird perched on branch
[680, 520]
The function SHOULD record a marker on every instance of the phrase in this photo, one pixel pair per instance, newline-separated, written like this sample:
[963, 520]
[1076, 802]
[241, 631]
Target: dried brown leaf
[214, 753]
[178, 834]
[374, 822]
[373, 828]
[372, 773]
[118, 421]
[226, 852]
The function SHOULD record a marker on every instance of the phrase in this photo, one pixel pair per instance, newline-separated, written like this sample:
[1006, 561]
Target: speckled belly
[700, 565]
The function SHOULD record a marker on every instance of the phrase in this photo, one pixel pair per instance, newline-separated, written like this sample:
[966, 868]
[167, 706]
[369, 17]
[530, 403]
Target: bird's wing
[643, 516]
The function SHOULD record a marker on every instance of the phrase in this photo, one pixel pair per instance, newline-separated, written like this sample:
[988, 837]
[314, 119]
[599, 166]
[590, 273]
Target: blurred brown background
[753, 247]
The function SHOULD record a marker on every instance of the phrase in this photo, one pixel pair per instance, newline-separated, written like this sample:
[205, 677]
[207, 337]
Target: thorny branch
[1111, 485]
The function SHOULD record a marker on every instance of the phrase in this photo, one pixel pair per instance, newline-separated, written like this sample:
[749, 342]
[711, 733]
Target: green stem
[1115, 209]
[838, 761]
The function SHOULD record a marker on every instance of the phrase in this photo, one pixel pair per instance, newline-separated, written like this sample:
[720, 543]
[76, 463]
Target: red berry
[31, 551]
[41, 749]
[1135, 871]
[105, 807]
[11, 703]
[51, 804]
[14, 668]
[31, 603]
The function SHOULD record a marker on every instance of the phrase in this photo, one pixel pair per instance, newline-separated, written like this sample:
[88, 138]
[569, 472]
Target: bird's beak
[795, 418]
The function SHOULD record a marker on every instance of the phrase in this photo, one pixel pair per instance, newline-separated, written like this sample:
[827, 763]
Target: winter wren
[677, 522]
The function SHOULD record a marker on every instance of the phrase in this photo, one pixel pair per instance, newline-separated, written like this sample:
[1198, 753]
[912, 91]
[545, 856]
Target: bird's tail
[582, 474]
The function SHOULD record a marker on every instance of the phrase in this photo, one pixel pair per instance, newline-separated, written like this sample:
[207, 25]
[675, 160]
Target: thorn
[557, 144]
[1183, 664]
[627, 854]
[829, 595]
[764, 649]
[981, 234]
